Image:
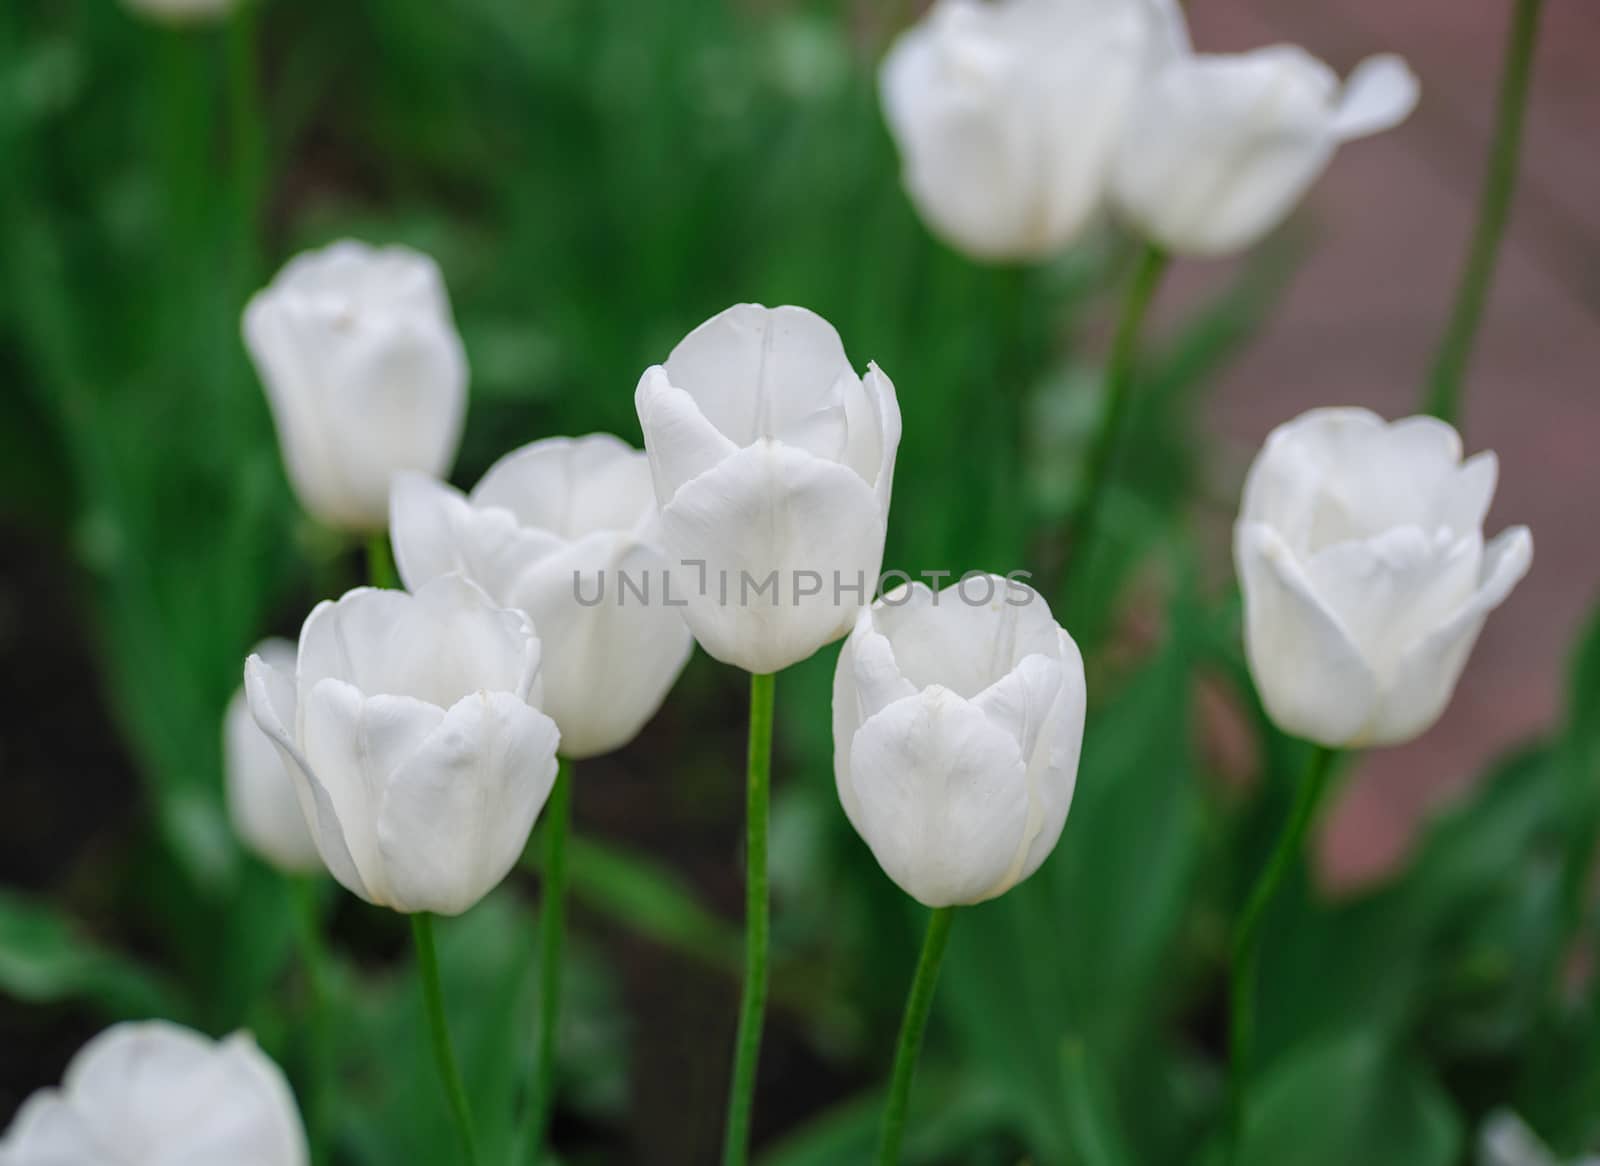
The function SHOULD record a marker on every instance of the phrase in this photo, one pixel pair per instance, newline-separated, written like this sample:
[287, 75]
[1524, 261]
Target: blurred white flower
[156, 1094]
[957, 724]
[553, 530]
[772, 463]
[1220, 149]
[1505, 1140]
[1008, 114]
[365, 374]
[1366, 580]
[418, 760]
[182, 11]
[262, 803]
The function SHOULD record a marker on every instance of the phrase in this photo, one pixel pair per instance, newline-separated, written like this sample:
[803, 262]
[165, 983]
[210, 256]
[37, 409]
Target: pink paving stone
[1390, 224]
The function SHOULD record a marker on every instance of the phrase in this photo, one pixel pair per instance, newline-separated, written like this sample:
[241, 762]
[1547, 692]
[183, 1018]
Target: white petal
[1379, 94]
[1426, 675]
[679, 442]
[271, 695]
[1221, 148]
[572, 486]
[772, 512]
[456, 815]
[446, 640]
[436, 531]
[613, 640]
[767, 372]
[1310, 675]
[354, 746]
[886, 408]
[48, 1131]
[1387, 590]
[262, 803]
[1464, 504]
[1053, 768]
[866, 680]
[941, 797]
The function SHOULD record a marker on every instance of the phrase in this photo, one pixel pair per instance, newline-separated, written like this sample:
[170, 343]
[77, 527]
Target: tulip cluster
[1019, 120]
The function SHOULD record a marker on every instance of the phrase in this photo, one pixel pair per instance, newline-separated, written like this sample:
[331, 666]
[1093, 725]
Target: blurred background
[595, 177]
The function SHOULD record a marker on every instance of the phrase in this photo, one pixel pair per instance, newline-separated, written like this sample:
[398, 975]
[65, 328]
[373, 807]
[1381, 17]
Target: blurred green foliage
[596, 177]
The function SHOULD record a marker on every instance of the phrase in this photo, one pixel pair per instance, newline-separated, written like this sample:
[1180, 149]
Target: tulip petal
[436, 532]
[354, 745]
[943, 797]
[767, 372]
[48, 1131]
[1309, 673]
[262, 801]
[607, 664]
[1425, 676]
[456, 816]
[271, 696]
[767, 523]
[1053, 768]
[1464, 505]
[866, 680]
[1379, 94]
[1220, 148]
[967, 636]
[679, 441]
[572, 486]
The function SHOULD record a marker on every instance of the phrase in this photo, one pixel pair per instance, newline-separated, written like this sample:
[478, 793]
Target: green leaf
[1350, 1100]
[45, 958]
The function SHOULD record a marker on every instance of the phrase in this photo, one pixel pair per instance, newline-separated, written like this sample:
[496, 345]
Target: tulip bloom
[1220, 149]
[262, 803]
[365, 374]
[1366, 579]
[419, 763]
[772, 464]
[957, 723]
[1008, 114]
[155, 1094]
[560, 530]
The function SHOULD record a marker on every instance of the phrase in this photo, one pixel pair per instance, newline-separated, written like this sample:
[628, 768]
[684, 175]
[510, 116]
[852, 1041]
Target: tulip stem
[552, 930]
[319, 1061]
[753, 1003]
[1443, 397]
[1247, 934]
[439, 1029]
[380, 563]
[1120, 366]
[918, 1005]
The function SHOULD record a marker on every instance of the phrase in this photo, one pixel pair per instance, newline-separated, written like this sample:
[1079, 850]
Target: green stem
[1443, 397]
[1120, 367]
[552, 930]
[918, 1004]
[319, 1063]
[1247, 935]
[380, 564]
[439, 1029]
[753, 1003]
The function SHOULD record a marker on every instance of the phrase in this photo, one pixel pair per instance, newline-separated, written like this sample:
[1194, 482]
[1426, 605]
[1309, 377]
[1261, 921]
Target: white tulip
[1008, 114]
[418, 760]
[155, 1094]
[262, 803]
[1366, 579]
[560, 530]
[365, 374]
[957, 723]
[1220, 149]
[772, 463]
[1505, 1139]
[182, 11]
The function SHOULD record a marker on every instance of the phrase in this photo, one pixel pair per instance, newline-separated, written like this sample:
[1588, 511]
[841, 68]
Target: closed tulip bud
[365, 374]
[419, 763]
[772, 464]
[564, 531]
[1007, 114]
[1220, 149]
[262, 802]
[182, 11]
[1366, 579]
[155, 1094]
[957, 723]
